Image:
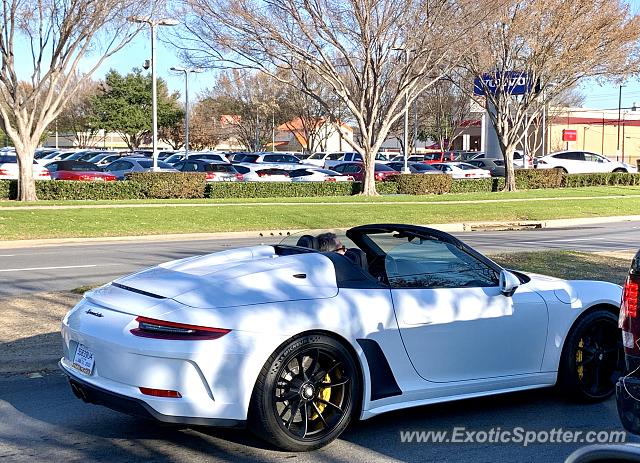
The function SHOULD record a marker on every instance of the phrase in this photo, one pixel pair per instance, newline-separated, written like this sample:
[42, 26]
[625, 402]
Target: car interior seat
[308, 241]
[359, 257]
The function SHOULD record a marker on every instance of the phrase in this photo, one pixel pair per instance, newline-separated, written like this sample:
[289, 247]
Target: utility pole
[186, 72]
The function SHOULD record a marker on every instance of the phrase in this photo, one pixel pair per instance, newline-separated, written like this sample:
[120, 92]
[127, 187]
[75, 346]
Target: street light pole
[154, 90]
[186, 72]
[405, 136]
[619, 110]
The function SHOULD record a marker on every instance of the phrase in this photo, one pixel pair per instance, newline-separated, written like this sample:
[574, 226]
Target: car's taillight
[468, 175]
[211, 175]
[629, 304]
[330, 179]
[350, 178]
[160, 392]
[161, 329]
[378, 176]
[239, 177]
[4, 172]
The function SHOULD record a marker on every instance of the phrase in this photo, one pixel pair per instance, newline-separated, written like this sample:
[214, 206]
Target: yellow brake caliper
[324, 394]
[580, 368]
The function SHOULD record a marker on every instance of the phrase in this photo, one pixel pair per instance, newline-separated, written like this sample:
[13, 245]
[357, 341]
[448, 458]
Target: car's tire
[564, 171]
[592, 358]
[620, 170]
[295, 377]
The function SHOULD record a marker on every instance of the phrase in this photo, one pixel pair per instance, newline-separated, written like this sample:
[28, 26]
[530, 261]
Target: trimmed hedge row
[290, 190]
[602, 179]
[411, 184]
[166, 185]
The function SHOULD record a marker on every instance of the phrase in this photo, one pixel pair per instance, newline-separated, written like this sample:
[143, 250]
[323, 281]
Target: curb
[446, 227]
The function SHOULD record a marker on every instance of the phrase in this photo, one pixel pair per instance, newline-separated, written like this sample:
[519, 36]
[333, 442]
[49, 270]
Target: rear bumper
[92, 394]
[627, 392]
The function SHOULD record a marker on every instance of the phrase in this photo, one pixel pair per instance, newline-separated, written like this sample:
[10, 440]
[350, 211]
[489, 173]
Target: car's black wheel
[592, 358]
[305, 394]
[564, 171]
[619, 170]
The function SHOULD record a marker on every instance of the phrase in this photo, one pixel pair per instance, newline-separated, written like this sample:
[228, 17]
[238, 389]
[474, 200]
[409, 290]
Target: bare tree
[376, 56]
[252, 100]
[443, 109]
[311, 120]
[77, 116]
[52, 39]
[544, 47]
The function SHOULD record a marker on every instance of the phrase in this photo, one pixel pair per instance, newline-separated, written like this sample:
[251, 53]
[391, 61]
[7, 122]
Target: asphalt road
[43, 421]
[53, 268]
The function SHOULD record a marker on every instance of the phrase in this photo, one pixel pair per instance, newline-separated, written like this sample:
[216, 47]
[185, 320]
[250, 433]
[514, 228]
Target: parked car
[268, 158]
[353, 157]
[319, 158]
[216, 171]
[78, 170]
[412, 158]
[261, 173]
[494, 166]
[628, 387]
[466, 156]
[218, 157]
[520, 160]
[414, 167]
[462, 170]
[356, 170]
[9, 168]
[121, 167]
[59, 155]
[294, 343]
[317, 174]
[104, 158]
[578, 162]
[42, 152]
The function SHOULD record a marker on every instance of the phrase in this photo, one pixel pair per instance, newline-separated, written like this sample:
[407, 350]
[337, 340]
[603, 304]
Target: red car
[78, 170]
[356, 170]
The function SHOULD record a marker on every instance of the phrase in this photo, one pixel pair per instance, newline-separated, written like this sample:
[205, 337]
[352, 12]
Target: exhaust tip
[78, 392]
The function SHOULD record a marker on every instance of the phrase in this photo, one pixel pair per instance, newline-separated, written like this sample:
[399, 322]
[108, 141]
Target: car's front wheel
[620, 170]
[305, 394]
[592, 358]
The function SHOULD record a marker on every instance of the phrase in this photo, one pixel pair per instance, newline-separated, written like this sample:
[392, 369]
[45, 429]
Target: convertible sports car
[293, 342]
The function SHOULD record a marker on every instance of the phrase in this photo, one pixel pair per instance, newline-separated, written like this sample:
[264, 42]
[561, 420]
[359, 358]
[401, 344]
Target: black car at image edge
[628, 387]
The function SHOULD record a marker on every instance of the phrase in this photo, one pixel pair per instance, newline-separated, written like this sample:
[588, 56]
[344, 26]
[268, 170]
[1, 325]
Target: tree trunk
[509, 172]
[369, 179]
[26, 183]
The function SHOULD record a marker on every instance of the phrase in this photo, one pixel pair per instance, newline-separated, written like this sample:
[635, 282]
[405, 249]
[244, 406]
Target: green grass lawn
[567, 265]
[56, 223]
[525, 194]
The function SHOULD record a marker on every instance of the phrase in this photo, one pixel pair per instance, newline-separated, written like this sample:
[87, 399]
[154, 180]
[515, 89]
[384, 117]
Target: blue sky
[597, 96]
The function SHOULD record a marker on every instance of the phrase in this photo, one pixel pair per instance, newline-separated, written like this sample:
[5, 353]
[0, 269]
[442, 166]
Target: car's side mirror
[508, 283]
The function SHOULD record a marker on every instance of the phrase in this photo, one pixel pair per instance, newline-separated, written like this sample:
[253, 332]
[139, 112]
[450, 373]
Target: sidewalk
[446, 227]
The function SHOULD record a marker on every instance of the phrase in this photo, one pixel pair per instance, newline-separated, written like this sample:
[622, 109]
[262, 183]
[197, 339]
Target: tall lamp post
[186, 104]
[154, 90]
[619, 111]
[405, 137]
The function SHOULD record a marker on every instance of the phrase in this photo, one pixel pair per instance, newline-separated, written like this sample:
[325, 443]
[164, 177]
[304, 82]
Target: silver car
[122, 167]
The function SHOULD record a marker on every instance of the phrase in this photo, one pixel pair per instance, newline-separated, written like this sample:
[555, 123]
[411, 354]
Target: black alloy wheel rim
[312, 395]
[599, 356]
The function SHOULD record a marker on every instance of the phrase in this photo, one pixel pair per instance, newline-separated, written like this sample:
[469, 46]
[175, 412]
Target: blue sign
[511, 82]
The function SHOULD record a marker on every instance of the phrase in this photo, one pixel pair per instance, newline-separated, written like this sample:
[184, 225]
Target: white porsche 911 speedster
[293, 343]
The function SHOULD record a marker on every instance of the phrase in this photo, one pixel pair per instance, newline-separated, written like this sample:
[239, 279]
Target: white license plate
[83, 360]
